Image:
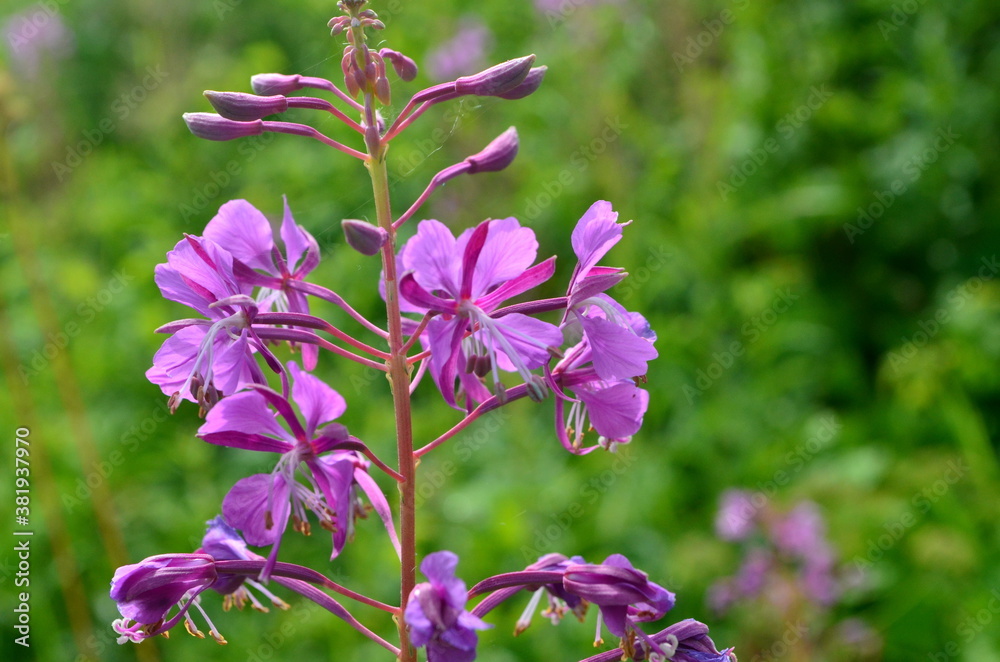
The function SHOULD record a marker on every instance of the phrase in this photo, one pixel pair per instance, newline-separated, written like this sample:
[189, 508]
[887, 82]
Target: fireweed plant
[449, 316]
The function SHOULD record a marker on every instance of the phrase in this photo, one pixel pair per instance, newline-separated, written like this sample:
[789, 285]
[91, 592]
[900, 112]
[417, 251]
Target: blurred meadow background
[815, 193]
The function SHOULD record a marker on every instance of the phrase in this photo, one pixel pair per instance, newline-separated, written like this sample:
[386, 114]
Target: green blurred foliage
[811, 185]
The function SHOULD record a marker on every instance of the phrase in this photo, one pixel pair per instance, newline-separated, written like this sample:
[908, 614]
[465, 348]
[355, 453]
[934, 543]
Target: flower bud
[497, 79]
[246, 107]
[363, 237]
[275, 83]
[530, 83]
[215, 127]
[405, 67]
[497, 155]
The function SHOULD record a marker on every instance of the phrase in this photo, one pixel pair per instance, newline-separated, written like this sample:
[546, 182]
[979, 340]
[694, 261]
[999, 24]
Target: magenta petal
[379, 503]
[334, 474]
[421, 299]
[597, 280]
[617, 352]
[445, 339]
[615, 411]
[470, 257]
[434, 256]
[297, 241]
[245, 414]
[189, 279]
[246, 506]
[172, 363]
[234, 366]
[318, 402]
[509, 250]
[520, 283]
[595, 234]
[244, 231]
[530, 338]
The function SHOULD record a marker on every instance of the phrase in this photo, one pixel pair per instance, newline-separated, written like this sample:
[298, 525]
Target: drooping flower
[148, 590]
[261, 505]
[625, 595]
[436, 615]
[224, 543]
[560, 600]
[613, 407]
[463, 280]
[617, 350]
[686, 641]
[245, 232]
[205, 358]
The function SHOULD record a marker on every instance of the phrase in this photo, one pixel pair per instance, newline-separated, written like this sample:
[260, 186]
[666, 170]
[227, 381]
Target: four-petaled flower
[261, 505]
[436, 613]
[248, 236]
[205, 358]
[463, 280]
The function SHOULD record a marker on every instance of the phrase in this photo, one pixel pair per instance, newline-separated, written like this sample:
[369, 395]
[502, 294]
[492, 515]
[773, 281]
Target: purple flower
[35, 35]
[754, 573]
[736, 517]
[618, 351]
[436, 616]
[205, 357]
[146, 591]
[224, 543]
[625, 595]
[613, 346]
[463, 280]
[245, 232]
[261, 505]
[463, 53]
[801, 533]
[687, 641]
[613, 407]
[560, 600]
